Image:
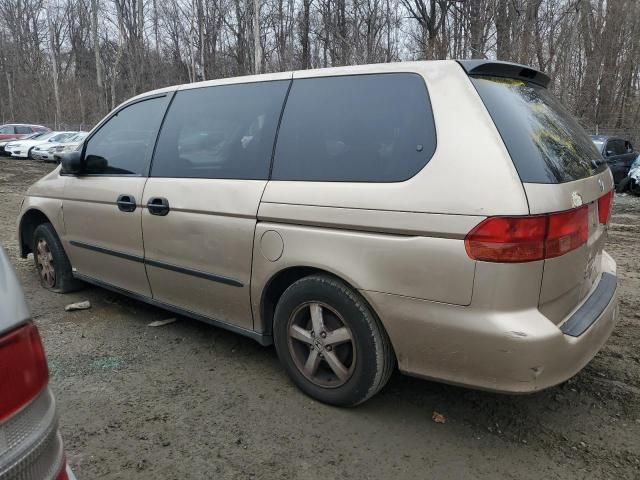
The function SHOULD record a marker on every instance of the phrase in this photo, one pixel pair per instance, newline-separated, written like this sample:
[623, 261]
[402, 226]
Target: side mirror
[72, 163]
[609, 153]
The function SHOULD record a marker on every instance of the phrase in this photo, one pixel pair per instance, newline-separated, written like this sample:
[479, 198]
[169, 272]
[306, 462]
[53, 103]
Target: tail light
[62, 474]
[566, 231]
[604, 207]
[508, 239]
[528, 238]
[23, 369]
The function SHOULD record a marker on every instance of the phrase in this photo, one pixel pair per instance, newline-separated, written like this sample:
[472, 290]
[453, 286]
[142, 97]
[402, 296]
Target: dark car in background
[30, 443]
[19, 130]
[617, 152]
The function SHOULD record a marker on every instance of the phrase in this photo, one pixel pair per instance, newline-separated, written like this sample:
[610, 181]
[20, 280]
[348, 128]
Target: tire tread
[384, 355]
[65, 281]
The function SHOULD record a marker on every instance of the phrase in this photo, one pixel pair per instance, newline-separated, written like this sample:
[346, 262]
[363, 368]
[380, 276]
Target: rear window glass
[546, 144]
[357, 128]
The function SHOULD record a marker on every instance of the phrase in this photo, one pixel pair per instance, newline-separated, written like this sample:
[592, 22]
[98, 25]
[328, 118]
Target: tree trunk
[96, 45]
[257, 49]
[54, 68]
[304, 34]
[503, 37]
[12, 114]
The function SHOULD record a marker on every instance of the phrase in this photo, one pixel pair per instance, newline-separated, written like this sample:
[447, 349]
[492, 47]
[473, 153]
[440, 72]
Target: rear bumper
[516, 352]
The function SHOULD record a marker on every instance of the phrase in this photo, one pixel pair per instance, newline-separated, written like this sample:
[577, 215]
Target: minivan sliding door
[208, 174]
[102, 207]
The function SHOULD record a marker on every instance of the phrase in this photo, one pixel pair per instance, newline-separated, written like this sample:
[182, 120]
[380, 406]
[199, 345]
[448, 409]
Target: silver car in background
[46, 152]
[30, 443]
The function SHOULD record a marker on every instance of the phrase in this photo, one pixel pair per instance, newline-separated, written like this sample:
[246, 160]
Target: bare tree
[69, 61]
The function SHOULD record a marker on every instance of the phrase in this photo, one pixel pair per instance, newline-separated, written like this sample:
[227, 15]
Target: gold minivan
[444, 217]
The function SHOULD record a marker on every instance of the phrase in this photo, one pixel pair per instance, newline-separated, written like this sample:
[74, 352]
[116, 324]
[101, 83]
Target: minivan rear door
[209, 171]
[561, 170]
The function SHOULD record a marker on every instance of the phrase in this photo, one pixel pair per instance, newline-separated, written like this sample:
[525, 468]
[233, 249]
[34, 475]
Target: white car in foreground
[22, 148]
[47, 152]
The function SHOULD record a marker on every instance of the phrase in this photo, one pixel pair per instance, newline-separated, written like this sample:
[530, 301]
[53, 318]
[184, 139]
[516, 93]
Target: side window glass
[224, 131]
[23, 130]
[7, 129]
[124, 144]
[356, 128]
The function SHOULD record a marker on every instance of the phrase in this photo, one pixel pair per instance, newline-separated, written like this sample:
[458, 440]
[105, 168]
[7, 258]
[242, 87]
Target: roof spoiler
[496, 68]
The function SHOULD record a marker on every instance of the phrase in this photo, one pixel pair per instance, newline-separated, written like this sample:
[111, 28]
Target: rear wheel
[634, 187]
[51, 261]
[331, 344]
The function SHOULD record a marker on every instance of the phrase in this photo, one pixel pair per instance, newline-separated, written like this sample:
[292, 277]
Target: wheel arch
[283, 279]
[29, 221]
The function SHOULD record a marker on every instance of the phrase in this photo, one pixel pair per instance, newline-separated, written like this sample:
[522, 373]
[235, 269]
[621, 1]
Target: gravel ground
[188, 400]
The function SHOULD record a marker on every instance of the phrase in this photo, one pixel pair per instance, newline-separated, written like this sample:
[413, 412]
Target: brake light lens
[530, 238]
[604, 207]
[62, 474]
[507, 239]
[566, 231]
[23, 369]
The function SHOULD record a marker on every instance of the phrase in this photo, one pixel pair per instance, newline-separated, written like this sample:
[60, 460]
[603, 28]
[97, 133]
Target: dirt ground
[188, 400]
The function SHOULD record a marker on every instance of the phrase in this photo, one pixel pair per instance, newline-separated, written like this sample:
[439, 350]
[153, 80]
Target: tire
[634, 187]
[29, 156]
[623, 185]
[51, 261]
[366, 360]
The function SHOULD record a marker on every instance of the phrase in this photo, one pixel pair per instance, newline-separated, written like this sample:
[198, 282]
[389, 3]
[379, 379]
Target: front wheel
[51, 261]
[330, 342]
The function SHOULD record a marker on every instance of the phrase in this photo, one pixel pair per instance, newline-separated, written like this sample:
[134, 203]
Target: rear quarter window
[357, 128]
[546, 144]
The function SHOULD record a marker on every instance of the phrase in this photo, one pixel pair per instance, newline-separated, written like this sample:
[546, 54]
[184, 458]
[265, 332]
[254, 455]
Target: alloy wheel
[321, 344]
[44, 258]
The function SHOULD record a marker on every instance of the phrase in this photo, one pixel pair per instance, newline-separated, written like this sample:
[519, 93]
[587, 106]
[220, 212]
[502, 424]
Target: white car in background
[32, 136]
[22, 148]
[47, 152]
